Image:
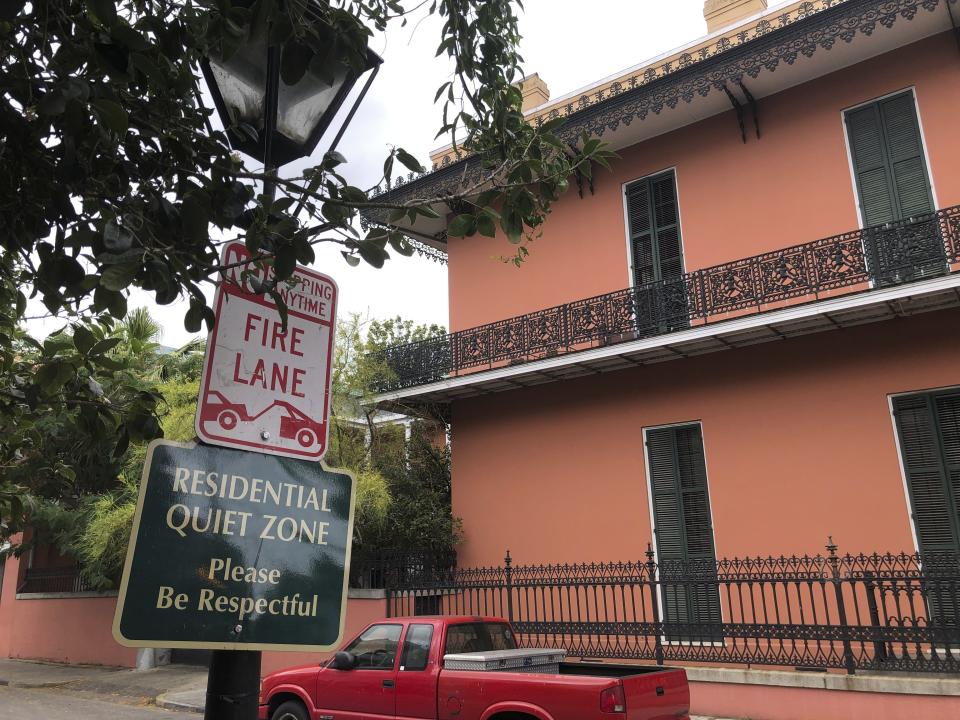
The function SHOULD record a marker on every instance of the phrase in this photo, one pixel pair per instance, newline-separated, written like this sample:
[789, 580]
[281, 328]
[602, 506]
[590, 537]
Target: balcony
[859, 276]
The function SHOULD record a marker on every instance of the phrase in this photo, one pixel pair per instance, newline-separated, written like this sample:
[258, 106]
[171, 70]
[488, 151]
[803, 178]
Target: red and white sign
[265, 388]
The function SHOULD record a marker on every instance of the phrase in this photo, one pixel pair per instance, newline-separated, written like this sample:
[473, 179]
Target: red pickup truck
[395, 669]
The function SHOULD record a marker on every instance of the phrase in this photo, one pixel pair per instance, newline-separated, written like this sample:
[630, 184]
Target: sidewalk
[175, 687]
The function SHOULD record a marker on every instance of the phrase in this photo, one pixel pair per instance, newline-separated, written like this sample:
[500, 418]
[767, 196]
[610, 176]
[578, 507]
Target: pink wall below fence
[763, 702]
[71, 630]
[78, 629]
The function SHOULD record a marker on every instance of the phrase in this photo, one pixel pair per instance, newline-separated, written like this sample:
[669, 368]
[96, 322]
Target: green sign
[235, 550]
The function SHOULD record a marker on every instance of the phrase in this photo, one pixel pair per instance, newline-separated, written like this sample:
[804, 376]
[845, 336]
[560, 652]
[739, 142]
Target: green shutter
[654, 224]
[931, 463]
[891, 172]
[667, 223]
[668, 524]
[908, 167]
[928, 427]
[640, 224]
[682, 528]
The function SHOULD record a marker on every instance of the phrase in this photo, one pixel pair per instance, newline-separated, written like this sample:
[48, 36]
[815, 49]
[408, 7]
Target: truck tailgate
[662, 695]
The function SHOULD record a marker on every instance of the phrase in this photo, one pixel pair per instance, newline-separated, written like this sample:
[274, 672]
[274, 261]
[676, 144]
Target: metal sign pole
[233, 685]
[233, 678]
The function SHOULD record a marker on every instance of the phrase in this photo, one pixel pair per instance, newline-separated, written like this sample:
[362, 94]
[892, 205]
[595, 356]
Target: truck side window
[416, 647]
[376, 648]
[479, 637]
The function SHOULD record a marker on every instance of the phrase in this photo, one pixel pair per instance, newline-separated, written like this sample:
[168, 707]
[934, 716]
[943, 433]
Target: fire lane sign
[266, 388]
[234, 550]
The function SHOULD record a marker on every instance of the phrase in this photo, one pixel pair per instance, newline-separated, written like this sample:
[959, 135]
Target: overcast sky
[569, 43]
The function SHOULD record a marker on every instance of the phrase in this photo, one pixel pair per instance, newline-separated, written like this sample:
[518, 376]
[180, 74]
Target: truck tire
[290, 710]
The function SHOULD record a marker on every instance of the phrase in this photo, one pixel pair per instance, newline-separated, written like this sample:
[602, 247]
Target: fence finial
[507, 559]
[649, 552]
[831, 546]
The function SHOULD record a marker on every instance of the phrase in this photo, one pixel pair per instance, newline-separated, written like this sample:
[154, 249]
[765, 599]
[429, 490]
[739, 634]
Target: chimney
[535, 92]
[721, 13]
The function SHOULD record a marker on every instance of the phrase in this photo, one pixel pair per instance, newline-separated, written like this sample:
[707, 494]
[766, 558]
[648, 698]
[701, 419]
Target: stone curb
[168, 703]
[27, 685]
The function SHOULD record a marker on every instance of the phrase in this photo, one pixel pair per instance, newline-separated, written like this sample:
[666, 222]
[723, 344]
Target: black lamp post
[276, 123]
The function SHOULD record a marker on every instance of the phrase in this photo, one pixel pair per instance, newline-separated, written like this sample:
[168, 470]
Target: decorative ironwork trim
[420, 247]
[808, 28]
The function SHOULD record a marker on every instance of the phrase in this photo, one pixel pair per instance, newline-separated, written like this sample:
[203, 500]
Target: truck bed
[650, 692]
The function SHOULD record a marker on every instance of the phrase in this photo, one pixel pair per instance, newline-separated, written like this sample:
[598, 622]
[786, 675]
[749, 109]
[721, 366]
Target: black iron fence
[855, 612]
[860, 260]
[54, 580]
[379, 571]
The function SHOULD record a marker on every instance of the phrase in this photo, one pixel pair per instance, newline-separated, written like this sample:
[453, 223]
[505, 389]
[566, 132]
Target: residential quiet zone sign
[236, 550]
[267, 388]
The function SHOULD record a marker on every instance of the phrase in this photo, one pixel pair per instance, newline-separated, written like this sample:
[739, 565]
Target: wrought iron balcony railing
[856, 261]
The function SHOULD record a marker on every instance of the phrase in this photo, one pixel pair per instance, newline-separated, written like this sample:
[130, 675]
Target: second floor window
[888, 161]
[653, 223]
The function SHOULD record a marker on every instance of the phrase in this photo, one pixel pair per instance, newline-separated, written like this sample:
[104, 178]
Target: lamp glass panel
[242, 81]
[302, 106]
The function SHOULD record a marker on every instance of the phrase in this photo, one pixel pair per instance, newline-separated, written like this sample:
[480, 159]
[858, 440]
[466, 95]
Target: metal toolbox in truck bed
[521, 660]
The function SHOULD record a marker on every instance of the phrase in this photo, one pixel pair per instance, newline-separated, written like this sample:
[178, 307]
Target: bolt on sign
[234, 550]
[265, 387]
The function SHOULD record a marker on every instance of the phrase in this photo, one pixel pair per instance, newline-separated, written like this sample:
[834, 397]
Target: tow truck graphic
[294, 424]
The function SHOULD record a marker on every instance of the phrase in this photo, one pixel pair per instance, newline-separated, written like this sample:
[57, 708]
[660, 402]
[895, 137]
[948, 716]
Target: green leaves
[372, 252]
[116, 238]
[53, 375]
[102, 11]
[111, 115]
[409, 161]
[198, 314]
[83, 339]
[195, 216]
[294, 61]
[461, 225]
[486, 225]
[119, 276]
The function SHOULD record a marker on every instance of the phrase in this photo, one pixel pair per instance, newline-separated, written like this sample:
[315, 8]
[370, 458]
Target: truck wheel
[290, 710]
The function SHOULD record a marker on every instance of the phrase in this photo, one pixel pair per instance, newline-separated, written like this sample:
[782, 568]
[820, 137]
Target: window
[682, 529]
[928, 427]
[479, 637]
[376, 648]
[888, 161]
[653, 224]
[893, 186]
[416, 647]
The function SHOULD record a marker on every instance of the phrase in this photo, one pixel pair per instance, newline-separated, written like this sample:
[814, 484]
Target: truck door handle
[659, 691]
[388, 683]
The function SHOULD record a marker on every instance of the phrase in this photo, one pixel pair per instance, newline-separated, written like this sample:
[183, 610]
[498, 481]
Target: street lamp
[288, 120]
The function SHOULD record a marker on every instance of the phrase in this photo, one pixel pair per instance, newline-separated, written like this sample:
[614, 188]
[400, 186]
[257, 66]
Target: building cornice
[780, 37]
